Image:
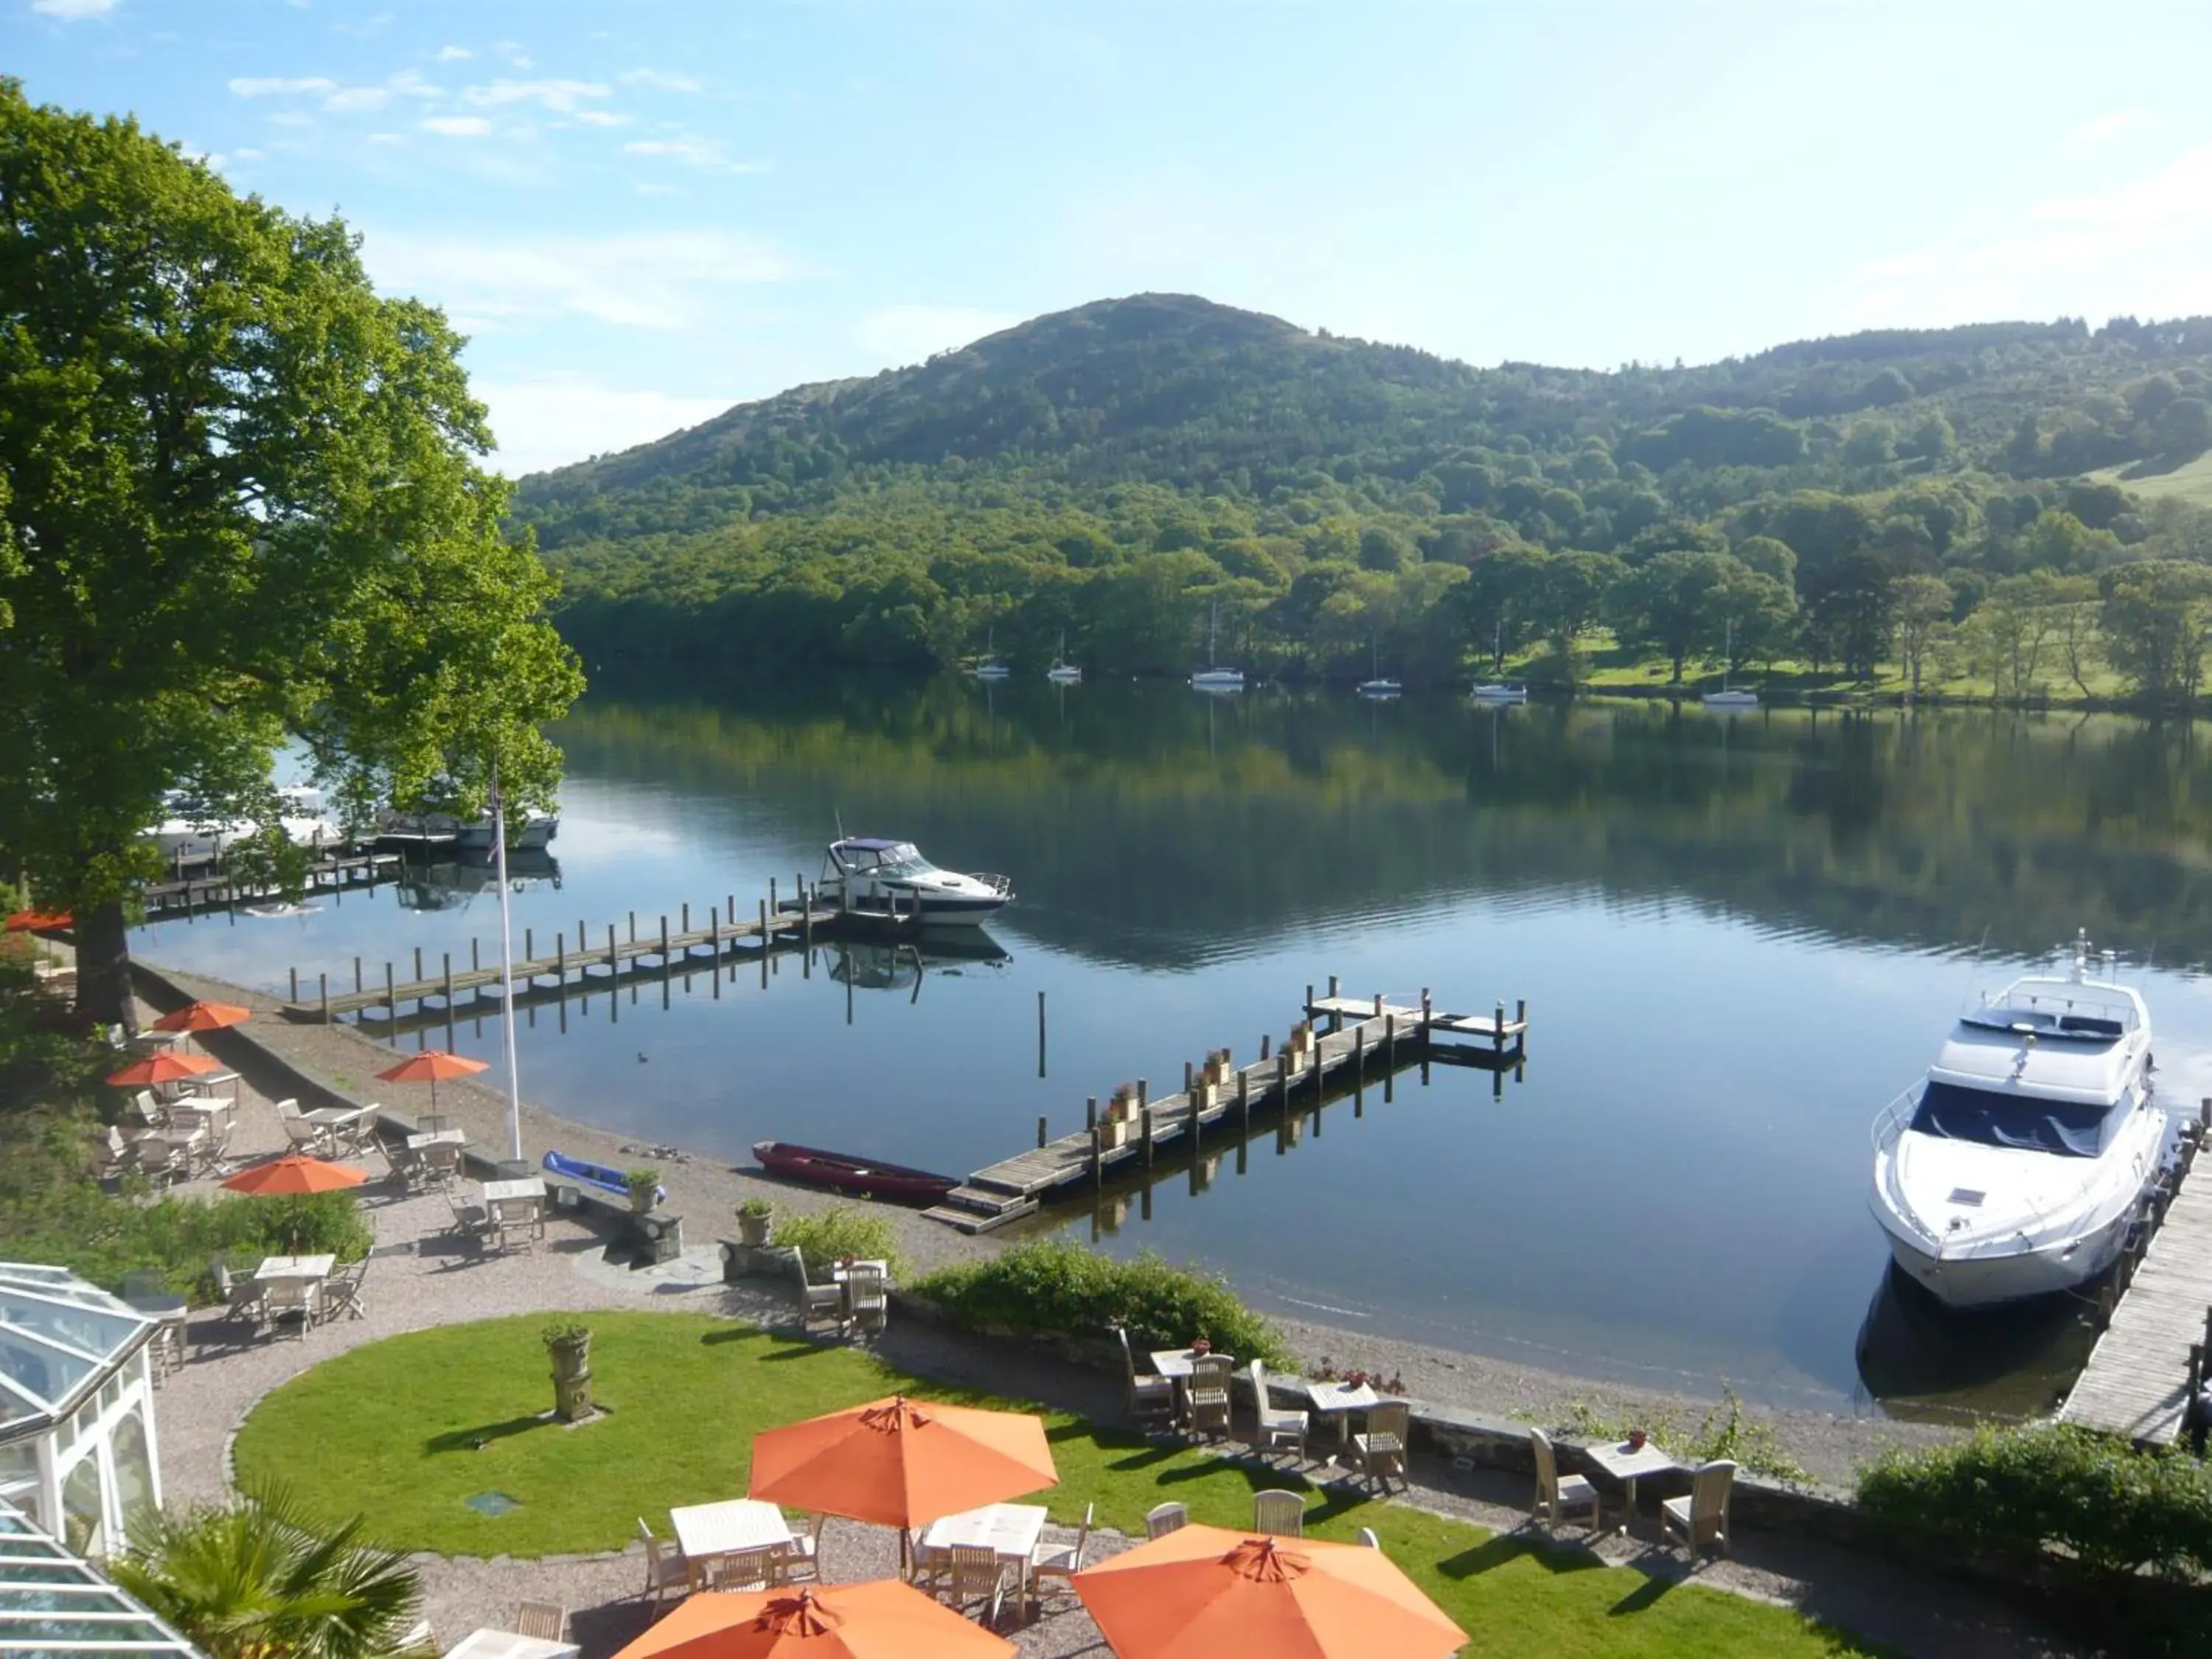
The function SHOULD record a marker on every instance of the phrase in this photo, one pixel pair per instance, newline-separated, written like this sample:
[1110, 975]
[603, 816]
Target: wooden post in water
[773, 909]
[324, 983]
[1040, 1033]
[1331, 987]
[1498, 1039]
[1244, 1104]
[1091, 1112]
[1189, 1078]
[391, 1006]
[686, 927]
[1359, 1080]
[1389, 1057]
[418, 965]
[449, 983]
[356, 975]
[1144, 1123]
[1041, 1134]
[1097, 1153]
[1428, 1014]
[476, 965]
[633, 927]
[1265, 1040]
[294, 997]
[664, 941]
[529, 944]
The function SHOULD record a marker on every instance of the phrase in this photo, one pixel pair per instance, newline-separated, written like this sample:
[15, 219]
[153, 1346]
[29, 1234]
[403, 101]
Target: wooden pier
[660, 951]
[2153, 1353]
[1333, 1052]
[203, 895]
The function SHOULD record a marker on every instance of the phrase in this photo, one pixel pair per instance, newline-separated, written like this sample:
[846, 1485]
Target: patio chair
[1164, 1518]
[471, 1221]
[442, 1162]
[148, 1113]
[740, 1570]
[1281, 1513]
[868, 1305]
[1380, 1452]
[974, 1573]
[825, 1301]
[405, 1161]
[515, 1216]
[1149, 1397]
[1276, 1424]
[546, 1620]
[1557, 1499]
[287, 1297]
[803, 1555]
[434, 1123]
[1061, 1561]
[1702, 1518]
[243, 1297]
[302, 1136]
[361, 1131]
[1208, 1402]
[666, 1569]
[160, 1159]
[342, 1293]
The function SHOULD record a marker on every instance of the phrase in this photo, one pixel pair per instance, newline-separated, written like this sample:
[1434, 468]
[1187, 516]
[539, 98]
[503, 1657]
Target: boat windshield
[905, 859]
[2068, 1129]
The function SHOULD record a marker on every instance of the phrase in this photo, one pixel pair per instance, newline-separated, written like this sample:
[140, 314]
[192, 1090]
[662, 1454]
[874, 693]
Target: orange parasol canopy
[38, 921]
[203, 1017]
[1204, 1591]
[429, 1066]
[881, 1618]
[293, 1176]
[162, 1068]
[902, 1463]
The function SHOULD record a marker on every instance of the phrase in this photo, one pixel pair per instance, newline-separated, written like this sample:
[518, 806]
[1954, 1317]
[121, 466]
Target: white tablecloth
[739, 1523]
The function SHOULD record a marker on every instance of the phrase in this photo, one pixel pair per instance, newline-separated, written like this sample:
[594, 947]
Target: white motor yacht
[2014, 1170]
[307, 818]
[891, 878]
[533, 832]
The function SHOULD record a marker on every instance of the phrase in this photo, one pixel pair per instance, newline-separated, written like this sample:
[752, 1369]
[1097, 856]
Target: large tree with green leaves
[240, 503]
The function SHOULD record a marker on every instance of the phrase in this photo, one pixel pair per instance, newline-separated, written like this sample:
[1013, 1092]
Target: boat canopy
[2046, 1022]
[883, 857]
[2023, 1122]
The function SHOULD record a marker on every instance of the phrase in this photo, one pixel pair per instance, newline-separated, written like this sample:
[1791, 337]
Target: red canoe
[844, 1173]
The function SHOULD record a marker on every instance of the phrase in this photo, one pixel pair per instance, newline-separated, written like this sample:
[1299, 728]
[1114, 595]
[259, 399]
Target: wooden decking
[1364, 1034]
[2136, 1381]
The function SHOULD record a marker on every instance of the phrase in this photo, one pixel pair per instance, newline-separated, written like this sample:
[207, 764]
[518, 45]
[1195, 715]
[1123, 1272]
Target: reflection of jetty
[1314, 1066]
[660, 952]
[193, 896]
[2156, 1350]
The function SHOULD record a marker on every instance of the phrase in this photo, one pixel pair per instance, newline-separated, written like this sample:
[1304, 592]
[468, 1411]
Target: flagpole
[506, 968]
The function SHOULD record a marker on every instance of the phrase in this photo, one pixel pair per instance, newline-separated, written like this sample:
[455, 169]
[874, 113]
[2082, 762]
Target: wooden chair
[1281, 1513]
[471, 1221]
[546, 1620]
[666, 1569]
[343, 1294]
[740, 1570]
[244, 1298]
[1149, 1397]
[1276, 1426]
[286, 1297]
[867, 1301]
[442, 1162]
[1164, 1518]
[1381, 1451]
[405, 1161]
[823, 1301]
[1208, 1403]
[1557, 1499]
[1061, 1561]
[973, 1573]
[1702, 1518]
[302, 1136]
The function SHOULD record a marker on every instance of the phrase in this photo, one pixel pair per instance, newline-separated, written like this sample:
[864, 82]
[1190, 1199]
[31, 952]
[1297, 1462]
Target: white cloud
[72, 11]
[247, 156]
[291, 117]
[673, 281]
[692, 151]
[358, 97]
[551, 420]
[387, 138]
[456, 126]
[564, 96]
[2102, 129]
[600, 118]
[454, 54]
[908, 334]
[659, 81]
[278, 85]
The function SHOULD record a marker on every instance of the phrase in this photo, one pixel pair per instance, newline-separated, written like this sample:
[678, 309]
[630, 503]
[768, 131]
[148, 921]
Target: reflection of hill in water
[1144, 822]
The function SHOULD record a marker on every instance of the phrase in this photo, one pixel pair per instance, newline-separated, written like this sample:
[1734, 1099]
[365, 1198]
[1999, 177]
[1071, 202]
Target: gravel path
[421, 1277]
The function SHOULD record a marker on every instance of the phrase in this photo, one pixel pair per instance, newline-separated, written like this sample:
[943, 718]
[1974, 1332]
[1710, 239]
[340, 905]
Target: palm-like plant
[258, 1580]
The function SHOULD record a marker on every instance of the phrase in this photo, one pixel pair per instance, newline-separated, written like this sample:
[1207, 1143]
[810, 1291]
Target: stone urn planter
[756, 1222]
[569, 1347]
[644, 1190]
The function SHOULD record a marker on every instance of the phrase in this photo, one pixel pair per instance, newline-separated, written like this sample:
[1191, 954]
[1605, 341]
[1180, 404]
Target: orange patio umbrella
[429, 1066]
[1202, 1592]
[902, 1463]
[166, 1068]
[295, 1176]
[203, 1017]
[38, 921]
[881, 1618]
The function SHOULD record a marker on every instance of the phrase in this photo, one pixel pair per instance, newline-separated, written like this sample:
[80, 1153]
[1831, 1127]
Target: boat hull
[938, 909]
[1988, 1279]
[844, 1173]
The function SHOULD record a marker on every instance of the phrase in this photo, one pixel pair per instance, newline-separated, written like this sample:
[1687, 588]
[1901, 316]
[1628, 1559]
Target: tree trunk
[1678, 655]
[103, 966]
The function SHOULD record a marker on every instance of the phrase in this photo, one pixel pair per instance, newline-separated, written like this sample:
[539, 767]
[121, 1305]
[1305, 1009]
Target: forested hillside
[1944, 504]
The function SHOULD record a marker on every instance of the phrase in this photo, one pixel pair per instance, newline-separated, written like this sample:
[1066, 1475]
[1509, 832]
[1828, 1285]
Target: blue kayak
[599, 1177]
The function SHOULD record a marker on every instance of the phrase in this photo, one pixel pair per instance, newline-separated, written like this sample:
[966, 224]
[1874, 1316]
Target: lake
[1739, 938]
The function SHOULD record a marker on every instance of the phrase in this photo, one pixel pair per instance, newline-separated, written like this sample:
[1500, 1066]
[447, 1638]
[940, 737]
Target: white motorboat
[1501, 691]
[2016, 1169]
[306, 819]
[192, 832]
[891, 878]
[534, 835]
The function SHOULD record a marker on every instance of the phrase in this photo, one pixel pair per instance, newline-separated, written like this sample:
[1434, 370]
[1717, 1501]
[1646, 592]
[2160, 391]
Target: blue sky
[643, 212]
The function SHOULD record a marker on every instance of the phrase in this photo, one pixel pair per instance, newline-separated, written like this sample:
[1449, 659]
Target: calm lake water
[1739, 938]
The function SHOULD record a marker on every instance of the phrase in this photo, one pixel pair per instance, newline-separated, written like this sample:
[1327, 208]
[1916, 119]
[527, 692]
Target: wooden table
[506, 1644]
[316, 1268]
[707, 1531]
[506, 1191]
[423, 1138]
[1010, 1531]
[1629, 1466]
[1338, 1400]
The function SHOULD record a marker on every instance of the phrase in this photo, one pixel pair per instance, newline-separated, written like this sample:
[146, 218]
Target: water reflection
[449, 884]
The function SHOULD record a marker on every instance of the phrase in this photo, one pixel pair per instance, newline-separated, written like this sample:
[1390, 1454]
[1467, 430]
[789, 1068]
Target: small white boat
[891, 878]
[1501, 691]
[1062, 671]
[2016, 1169]
[1213, 678]
[1381, 690]
[988, 665]
[1726, 697]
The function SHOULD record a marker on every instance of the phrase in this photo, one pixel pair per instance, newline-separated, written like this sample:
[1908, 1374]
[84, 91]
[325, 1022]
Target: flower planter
[1113, 1133]
[754, 1228]
[572, 1377]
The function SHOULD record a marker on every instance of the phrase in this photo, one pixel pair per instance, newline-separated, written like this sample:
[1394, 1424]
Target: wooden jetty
[199, 895]
[1333, 1049]
[2152, 1355]
[661, 950]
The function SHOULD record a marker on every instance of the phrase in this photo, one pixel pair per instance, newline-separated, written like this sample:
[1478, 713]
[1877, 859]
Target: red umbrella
[293, 1176]
[162, 1068]
[429, 1066]
[204, 1017]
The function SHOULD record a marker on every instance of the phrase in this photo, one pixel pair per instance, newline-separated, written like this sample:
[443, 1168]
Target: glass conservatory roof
[59, 1336]
[51, 1602]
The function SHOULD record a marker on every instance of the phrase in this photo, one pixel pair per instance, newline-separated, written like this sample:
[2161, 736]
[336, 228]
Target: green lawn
[387, 1429]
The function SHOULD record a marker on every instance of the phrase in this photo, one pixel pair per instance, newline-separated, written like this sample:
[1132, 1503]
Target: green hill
[1117, 473]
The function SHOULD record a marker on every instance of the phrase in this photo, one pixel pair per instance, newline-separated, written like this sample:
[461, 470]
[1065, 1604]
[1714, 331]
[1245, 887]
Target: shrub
[2026, 1491]
[1054, 1287]
[831, 1235]
[1726, 1431]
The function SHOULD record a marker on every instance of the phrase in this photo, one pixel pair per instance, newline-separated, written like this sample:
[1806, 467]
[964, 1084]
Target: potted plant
[644, 1189]
[569, 1343]
[755, 1221]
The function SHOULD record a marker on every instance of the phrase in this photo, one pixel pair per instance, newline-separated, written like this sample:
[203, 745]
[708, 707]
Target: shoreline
[706, 1193]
